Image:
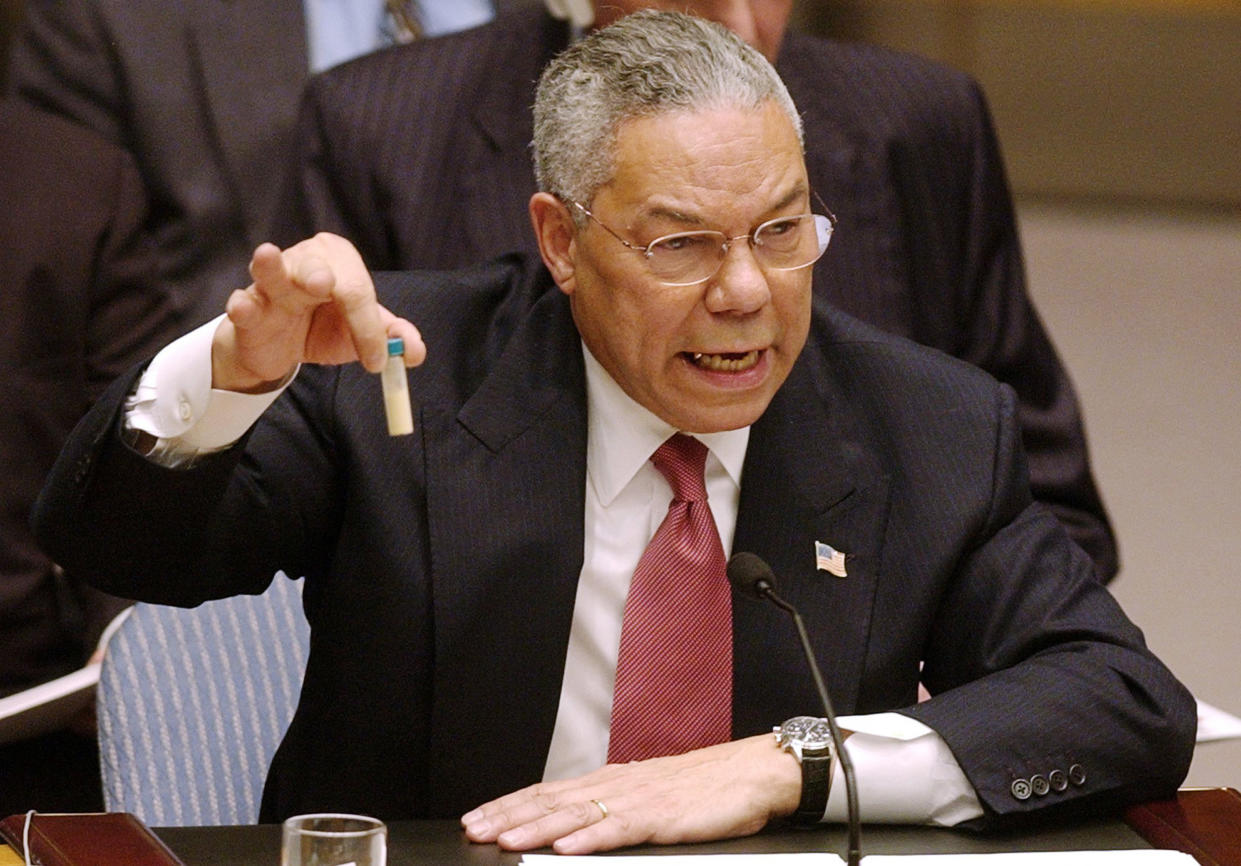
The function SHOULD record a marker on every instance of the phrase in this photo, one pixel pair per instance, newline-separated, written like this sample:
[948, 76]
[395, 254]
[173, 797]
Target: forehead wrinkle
[659, 212]
[800, 189]
[701, 168]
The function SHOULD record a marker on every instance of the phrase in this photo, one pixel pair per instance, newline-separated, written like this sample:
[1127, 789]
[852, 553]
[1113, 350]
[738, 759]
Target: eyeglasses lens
[786, 243]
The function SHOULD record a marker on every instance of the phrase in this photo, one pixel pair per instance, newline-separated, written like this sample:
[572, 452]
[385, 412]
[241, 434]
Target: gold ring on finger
[602, 808]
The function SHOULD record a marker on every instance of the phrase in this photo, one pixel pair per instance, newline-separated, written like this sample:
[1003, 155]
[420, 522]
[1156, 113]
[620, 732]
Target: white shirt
[339, 30]
[906, 773]
[626, 500]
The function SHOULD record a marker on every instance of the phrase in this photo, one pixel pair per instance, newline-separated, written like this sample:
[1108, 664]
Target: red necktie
[674, 675]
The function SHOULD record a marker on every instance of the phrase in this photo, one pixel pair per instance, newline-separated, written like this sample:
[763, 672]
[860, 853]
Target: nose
[740, 285]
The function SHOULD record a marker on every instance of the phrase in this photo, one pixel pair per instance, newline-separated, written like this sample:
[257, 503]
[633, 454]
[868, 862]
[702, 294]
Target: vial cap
[396, 346]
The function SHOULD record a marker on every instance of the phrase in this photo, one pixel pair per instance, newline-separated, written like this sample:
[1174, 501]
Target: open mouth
[727, 362]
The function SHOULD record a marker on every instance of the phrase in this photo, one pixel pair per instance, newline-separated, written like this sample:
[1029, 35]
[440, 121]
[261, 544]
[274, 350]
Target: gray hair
[646, 64]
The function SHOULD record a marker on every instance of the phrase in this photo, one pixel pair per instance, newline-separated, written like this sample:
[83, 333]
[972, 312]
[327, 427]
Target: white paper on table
[1145, 857]
[1215, 724]
[49, 706]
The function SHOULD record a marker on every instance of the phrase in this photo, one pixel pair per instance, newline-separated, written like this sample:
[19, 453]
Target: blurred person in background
[204, 95]
[79, 304]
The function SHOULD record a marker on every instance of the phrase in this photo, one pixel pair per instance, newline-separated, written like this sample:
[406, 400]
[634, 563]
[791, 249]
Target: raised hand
[313, 302]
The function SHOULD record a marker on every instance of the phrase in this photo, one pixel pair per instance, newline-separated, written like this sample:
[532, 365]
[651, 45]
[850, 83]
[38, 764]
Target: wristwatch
[809, 740]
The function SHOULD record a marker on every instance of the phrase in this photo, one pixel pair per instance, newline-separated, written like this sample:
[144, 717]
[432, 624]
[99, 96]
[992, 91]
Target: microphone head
[750, 575]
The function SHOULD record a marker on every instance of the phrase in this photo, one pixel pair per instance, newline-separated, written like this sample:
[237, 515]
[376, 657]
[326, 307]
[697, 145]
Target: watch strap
[816, 783]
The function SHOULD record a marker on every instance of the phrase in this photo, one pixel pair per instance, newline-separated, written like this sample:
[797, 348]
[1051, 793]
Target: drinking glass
[331, 839]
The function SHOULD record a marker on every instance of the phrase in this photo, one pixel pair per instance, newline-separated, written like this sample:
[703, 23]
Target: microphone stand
[765, 589]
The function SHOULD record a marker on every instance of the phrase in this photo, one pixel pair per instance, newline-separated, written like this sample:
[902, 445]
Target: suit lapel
[808, 477]
[253, 62]
[506, 487]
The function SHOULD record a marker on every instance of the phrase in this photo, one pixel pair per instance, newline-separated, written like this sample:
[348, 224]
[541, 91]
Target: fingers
[322, 285]
[316, 273]
[347, 285]
[415, 349]
[603, 835]
[543, 815]
[303, 269]
[313, 302]
[560, 823]
[267, 264]
[363, 323]
[330, 269]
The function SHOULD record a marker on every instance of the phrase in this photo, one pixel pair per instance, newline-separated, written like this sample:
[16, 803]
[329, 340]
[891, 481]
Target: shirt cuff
[175, 404]
[906, 774]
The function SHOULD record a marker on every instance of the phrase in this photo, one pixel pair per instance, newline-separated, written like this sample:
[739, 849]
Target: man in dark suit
[79, 304]
[419, 156]
[466, 585]
[204, 94]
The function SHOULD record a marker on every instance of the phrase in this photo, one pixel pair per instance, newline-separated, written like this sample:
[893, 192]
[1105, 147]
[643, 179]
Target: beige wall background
[1108, 99]
[1121, 128]
[1145, 307]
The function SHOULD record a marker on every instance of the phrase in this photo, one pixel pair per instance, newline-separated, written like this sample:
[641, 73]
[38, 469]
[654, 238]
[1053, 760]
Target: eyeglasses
[785, 243]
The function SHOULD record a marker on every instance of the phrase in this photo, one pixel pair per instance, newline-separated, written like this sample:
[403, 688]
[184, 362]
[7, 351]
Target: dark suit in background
[442, 567]
[203, 94]
[420, 156]
[78, 305]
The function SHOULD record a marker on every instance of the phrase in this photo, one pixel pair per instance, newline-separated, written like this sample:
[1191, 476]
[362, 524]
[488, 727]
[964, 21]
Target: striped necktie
[675, 669]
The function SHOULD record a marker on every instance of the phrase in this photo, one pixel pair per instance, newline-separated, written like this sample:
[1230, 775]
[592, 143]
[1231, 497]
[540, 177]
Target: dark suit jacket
[78, 306]
[441, 567]
[204, 94]
[420, 155]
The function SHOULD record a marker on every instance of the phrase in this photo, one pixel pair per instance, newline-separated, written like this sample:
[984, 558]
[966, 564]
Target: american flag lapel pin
[829, 559]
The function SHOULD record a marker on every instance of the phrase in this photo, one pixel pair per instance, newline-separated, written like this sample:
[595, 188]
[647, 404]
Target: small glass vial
[396, 390]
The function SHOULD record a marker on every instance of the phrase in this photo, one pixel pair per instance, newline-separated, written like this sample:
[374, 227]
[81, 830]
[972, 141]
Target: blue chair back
[193, 702]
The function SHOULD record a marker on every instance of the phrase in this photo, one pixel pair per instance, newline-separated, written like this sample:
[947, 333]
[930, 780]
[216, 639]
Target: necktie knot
[682, 460]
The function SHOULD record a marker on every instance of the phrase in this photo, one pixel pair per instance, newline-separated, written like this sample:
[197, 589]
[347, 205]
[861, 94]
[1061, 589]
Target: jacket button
[1077, 775]
[1058, 780]
[1021, 789]
[1039, 785]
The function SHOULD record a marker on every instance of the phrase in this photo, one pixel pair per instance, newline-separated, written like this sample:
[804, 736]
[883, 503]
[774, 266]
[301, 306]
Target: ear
[557, 237]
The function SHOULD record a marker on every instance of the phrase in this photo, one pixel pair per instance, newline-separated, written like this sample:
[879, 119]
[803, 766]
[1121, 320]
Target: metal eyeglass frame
[725, 244]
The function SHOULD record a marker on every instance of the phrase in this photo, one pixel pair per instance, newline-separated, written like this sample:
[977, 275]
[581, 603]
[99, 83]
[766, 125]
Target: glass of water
[331, 839]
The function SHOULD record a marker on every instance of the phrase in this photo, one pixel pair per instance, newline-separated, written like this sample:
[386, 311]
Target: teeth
[726, 363]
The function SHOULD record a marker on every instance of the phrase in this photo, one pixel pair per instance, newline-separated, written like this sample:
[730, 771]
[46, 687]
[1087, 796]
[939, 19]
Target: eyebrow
[797, 191]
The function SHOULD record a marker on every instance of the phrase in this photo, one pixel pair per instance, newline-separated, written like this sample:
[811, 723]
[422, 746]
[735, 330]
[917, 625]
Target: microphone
[750, 576]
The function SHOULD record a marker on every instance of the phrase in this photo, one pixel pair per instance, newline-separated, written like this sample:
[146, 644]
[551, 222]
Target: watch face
[811, 732]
